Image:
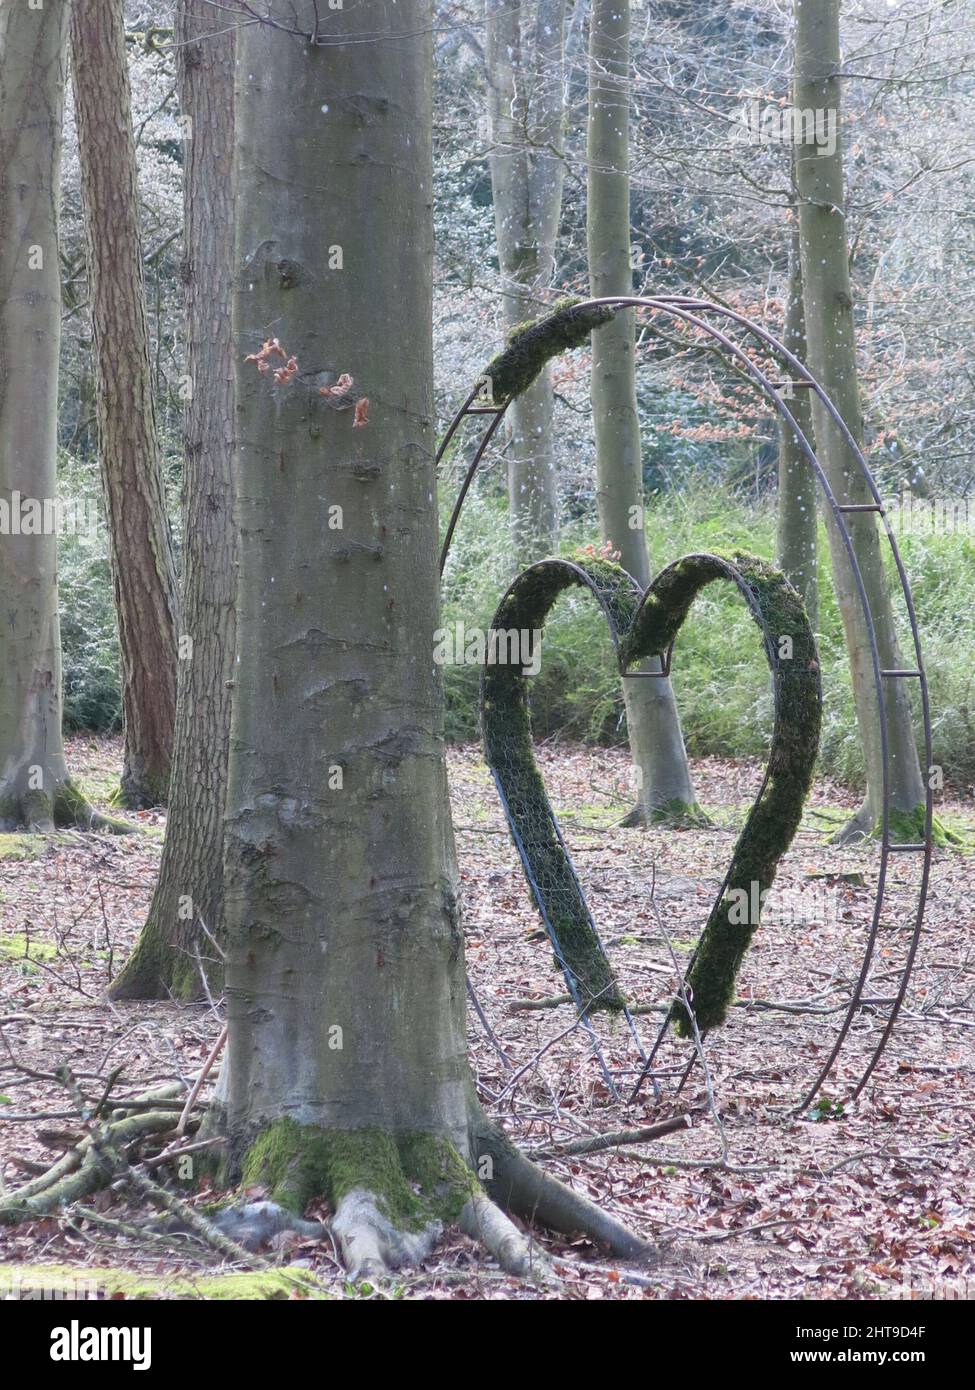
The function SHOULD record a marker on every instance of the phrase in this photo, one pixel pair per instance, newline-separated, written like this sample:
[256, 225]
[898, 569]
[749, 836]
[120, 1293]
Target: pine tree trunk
[663, 780]
[143, 569]
[524, 59]
[190, 887]
[795, 534]
[346, 1072]
[832, 358]
[35, 790]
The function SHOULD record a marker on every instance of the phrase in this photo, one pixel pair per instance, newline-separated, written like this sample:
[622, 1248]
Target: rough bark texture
[143, 569]
[346, 1071]
[190, 887]
[832, 357]
[524, 46]
[795, 534]
[663, 781]
[35, 790]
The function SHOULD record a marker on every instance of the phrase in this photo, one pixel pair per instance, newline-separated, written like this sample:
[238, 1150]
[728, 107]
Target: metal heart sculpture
[644, 625]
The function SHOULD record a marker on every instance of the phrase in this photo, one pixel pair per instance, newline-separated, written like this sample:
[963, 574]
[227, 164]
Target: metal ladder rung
[863, 507]
[901, 673]
[483, 410]
[652, 675]
[904, 848]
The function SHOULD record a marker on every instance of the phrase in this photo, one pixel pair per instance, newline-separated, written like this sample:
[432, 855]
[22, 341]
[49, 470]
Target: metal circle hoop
[695, 312]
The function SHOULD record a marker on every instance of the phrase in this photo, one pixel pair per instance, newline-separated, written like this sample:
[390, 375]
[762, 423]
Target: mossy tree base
[904, 828]
[392, 1195]
[674, 814]
[142, 792]
[42, 812]
[157, 969]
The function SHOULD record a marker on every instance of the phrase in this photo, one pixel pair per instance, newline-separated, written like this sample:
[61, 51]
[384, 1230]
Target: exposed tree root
[484, 1222]
[392, 1197]
[371, 1244]
[526, 1191]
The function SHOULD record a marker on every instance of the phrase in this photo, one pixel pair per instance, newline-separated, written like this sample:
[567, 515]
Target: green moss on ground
[26, 1280]
[16, 846]
[17, 947]
[680, 815]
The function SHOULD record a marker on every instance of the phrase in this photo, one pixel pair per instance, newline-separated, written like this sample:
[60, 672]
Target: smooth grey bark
[189, 891]
[35, 790]
[345, 970]
[143, 567]
[828, 303]
[524, 59]
[795, 532]
[663, 781]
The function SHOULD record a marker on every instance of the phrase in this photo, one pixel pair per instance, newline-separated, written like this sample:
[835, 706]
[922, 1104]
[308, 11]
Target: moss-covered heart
[644, 625]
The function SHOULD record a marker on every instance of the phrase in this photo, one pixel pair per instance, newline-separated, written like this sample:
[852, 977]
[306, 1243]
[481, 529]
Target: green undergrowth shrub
[719, 676]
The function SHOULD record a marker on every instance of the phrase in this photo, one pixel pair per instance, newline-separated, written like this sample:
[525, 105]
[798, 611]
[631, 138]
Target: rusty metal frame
[691, 311]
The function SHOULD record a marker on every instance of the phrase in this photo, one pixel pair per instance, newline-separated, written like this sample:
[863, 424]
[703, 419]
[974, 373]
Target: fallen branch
[597, 1142]
[214, 1053]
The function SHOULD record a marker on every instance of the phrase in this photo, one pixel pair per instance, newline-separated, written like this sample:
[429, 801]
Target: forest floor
[873, 1199]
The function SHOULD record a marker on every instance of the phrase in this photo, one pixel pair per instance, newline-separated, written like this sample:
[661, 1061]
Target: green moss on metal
[774, 818]
[641, 629]
[532, 344]
[509, 752]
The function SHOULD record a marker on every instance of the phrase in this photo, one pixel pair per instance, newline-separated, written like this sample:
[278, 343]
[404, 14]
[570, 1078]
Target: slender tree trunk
[832, 357]
[35, 790]
[190, 888]
[525, 61]
[795, 534]
[663, 780]
[346, 1072]
[143, 569]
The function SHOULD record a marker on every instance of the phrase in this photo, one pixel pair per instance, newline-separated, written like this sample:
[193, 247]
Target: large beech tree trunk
[795, 532]
[190, 887]
[828, 306]
[524, 57]
[143, 569]
[663, 780]
[35, 790]
[346, 1071]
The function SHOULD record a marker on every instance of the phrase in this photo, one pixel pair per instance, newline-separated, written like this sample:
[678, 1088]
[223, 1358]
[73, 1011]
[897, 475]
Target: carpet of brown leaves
[870, 1200]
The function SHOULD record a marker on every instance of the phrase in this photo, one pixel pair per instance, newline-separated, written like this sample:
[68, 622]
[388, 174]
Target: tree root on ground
[392, 1197]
